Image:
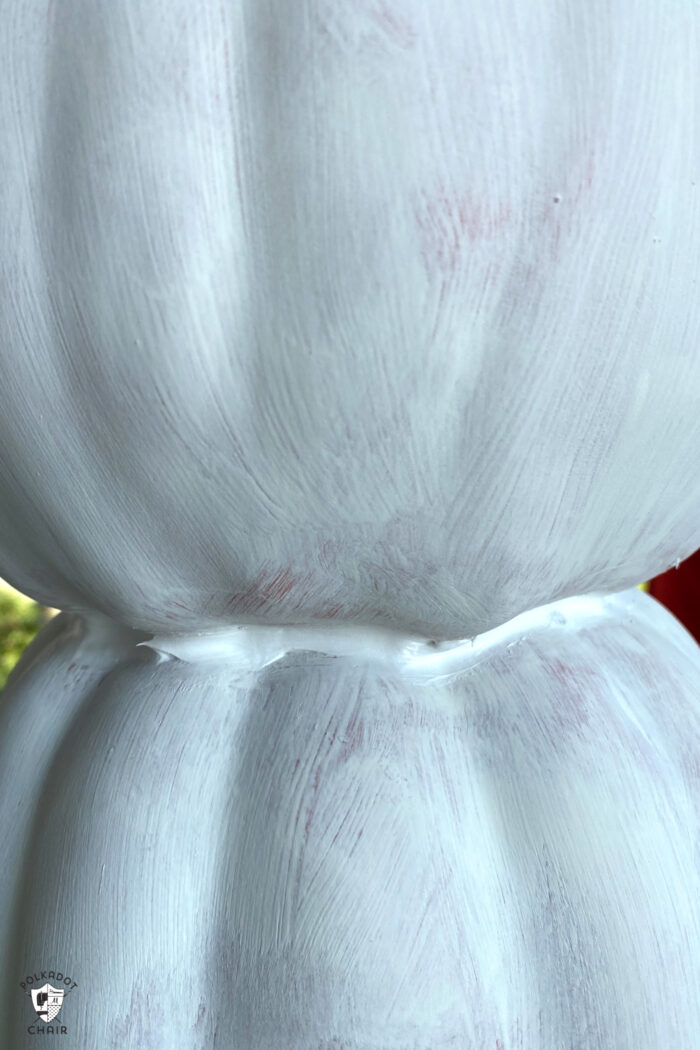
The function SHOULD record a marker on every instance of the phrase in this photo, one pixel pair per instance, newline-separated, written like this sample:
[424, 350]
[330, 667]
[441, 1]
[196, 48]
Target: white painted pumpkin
[379, 311]
[330, 333]
[365, 843]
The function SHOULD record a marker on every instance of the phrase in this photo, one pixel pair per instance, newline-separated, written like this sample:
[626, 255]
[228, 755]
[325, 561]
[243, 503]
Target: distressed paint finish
[374, 847]
[378, 311]
[332, 333]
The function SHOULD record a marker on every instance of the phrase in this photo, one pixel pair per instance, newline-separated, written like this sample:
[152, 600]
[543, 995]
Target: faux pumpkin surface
[365, 846]
[379, 312]
[331, 333]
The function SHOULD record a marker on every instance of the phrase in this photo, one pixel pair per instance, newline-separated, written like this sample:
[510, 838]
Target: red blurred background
[679, 590]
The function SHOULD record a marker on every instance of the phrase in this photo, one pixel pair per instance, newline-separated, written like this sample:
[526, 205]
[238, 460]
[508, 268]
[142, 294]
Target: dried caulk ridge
[254, 646]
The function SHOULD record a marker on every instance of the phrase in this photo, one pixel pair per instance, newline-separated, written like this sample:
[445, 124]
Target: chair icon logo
[47, 1001]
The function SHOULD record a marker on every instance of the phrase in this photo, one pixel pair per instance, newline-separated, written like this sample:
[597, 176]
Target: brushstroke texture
[378, 849]
[333, 334]
[374, 311]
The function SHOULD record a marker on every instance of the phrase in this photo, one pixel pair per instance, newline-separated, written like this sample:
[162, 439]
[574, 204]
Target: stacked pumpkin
[352, 383]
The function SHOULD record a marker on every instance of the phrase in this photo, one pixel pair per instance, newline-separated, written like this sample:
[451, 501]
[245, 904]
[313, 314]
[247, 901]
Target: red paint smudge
[264, 589]
[571, 707]
[447, 221]
[395, 26]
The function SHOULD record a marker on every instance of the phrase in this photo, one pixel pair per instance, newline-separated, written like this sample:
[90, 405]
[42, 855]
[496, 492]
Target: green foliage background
[20, 620]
